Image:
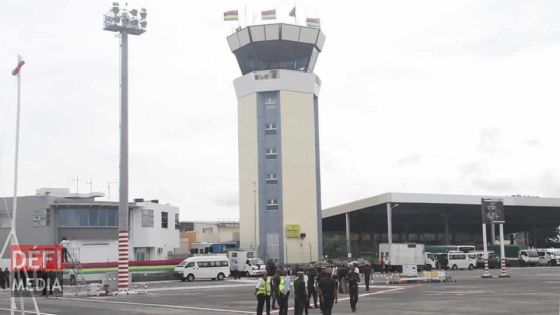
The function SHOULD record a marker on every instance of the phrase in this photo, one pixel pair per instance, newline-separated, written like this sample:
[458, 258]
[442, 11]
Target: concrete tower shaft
[279, 174]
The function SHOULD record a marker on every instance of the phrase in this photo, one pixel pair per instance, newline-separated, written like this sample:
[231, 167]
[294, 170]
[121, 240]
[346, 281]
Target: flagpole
[16, 163]
[13, 235]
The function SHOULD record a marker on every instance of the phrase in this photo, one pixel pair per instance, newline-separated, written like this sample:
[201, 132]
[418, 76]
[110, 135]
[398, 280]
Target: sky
[430, 96]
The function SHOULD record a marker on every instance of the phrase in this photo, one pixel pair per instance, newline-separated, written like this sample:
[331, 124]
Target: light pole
[390, 207]
[124, 22]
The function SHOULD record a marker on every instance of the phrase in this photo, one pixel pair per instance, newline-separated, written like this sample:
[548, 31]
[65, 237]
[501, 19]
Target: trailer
[404, 257]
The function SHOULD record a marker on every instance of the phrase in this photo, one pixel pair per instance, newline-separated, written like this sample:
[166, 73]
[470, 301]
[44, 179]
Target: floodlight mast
[124, 22]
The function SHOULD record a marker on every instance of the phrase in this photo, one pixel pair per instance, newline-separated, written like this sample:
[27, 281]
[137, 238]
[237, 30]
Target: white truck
[398, 255]
[248, 264]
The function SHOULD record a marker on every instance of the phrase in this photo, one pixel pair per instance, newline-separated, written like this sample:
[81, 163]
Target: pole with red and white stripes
[486, 273]
[503, 274]
[123, 276]
[124, 22]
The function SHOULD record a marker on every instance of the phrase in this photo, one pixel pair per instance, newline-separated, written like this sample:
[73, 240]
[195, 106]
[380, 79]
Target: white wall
[155, 237]
[299, 187]
[248, 169]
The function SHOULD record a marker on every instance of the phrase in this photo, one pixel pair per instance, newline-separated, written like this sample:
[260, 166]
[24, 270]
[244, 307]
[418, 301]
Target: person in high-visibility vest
[263, 290]
[284, 292]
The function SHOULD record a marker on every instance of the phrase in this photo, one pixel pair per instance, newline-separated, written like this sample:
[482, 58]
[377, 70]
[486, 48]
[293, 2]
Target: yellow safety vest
[282, 285]
[265, 288]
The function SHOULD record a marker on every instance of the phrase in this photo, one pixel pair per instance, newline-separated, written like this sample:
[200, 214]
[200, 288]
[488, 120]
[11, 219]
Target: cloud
[412, 159]
[230, 201]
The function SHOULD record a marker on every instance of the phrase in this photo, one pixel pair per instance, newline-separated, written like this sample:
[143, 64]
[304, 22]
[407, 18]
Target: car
[493, 261]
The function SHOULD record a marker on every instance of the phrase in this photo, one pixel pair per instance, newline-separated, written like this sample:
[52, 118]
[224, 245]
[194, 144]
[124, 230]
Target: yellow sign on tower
[292, 230]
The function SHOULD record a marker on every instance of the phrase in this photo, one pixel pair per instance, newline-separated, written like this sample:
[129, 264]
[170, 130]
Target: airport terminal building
[437, 219]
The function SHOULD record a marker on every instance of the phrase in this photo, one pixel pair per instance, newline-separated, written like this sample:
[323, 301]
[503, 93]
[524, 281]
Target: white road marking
[365, 294]
[31, 312]
[199, 287]
[162, 305]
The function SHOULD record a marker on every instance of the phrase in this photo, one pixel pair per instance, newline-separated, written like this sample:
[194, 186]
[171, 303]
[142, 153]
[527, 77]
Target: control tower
[279, 171]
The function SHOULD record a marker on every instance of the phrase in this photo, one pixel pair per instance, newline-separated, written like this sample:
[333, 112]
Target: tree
[332, 245]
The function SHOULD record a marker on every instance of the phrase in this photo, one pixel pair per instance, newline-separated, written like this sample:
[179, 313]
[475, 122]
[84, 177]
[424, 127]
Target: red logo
[36, 258]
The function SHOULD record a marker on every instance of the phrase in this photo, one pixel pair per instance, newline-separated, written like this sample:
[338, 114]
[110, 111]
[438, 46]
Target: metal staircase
[76, 271]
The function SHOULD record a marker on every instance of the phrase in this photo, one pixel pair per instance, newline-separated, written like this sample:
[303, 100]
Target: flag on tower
[231, 15]
[18, 68]
[292, 12]
[268, 14]
[313, 22]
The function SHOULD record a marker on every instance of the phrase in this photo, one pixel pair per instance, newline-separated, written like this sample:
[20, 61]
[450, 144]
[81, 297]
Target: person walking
[6, 276]
[367, 275]
[235, 269]
[311, 291]
[2, 279]
[328, 294]
[387, 263]
[353, 278]
[300, 294]
[342, 284]
[263, 290]
[381, 263]
[284, 293]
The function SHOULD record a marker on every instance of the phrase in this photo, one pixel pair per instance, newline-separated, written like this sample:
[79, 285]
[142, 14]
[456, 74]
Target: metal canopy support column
[493, 234]
[446, 229]
[389, 224]
[348, 249]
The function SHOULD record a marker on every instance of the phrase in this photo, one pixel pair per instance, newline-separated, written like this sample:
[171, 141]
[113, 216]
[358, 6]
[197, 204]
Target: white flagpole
[14, 240]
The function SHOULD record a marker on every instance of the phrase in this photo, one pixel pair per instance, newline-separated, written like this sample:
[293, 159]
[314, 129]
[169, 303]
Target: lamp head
[115, 8]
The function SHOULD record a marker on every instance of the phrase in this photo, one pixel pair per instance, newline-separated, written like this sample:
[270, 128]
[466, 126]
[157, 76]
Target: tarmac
[529, 290]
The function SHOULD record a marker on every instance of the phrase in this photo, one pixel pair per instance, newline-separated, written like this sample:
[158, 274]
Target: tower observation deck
[279, 173]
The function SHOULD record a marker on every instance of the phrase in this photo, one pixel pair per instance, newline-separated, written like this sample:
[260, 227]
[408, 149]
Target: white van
[203, 267]
[528, 257]
[460, 260]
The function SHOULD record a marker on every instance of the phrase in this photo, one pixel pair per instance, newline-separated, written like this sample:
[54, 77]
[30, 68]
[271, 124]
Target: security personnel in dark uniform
[327, 291]
[353, 278]
[300, 294]
[367, 275]
[311, 292]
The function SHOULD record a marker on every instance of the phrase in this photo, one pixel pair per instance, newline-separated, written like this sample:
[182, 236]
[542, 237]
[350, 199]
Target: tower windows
[270, 153]
[272, 204]
[271, 178]
[270, 129]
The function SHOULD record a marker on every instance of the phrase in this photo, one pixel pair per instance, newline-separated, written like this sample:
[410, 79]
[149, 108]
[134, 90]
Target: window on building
[270, 153]
[97, 217]
[41, 217]
[207, 230]
[164, 220]
[177, 225]
[4, 219]
[271, 178]
[272, 204]
[270, 129]
[147, 218]
[273, 245]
